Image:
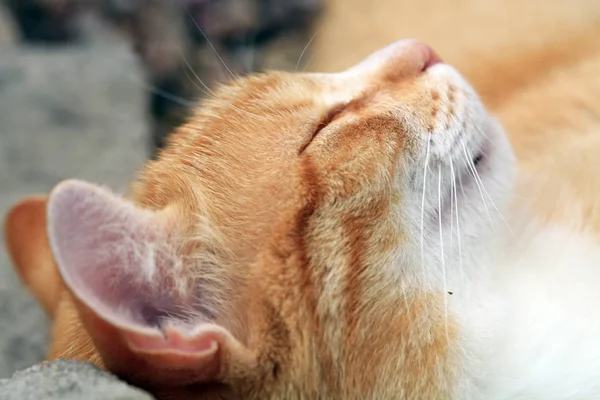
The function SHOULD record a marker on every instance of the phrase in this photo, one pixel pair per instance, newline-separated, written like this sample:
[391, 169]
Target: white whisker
[462, 188]
[451, 208]
[304, 50]
[473, 172]
[312, 56]
[426, 167]
[454, 195]
[442, 246]
[204, 89]
[209, 42]
[210, 93]
[164, 94]
[169, 96]
[478, 179]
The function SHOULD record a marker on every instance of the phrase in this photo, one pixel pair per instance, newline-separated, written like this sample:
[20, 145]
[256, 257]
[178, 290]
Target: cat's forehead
[318, 89]
[339, 88]
[381, 71]
[308, 89]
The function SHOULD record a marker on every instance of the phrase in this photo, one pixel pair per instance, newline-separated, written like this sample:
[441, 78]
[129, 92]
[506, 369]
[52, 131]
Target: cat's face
[287, 242]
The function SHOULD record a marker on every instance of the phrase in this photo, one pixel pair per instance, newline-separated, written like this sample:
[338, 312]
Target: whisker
[451, 207]
[304, 50]
[462, 188]
[478, 179]
[460, 259]
[210, 93]
[169, 96]
[204, 89]
[312, 56]
[483, 133]
[209, 42]
[473, 172]
[442, 246]
[423, 205]
[143, 83]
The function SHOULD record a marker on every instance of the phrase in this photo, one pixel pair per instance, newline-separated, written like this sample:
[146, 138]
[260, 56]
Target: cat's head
[287, 242]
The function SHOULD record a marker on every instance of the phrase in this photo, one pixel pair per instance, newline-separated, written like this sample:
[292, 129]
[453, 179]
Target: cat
[299, 238]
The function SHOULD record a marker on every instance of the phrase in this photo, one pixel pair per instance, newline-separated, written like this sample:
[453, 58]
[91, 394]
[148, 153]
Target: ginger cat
[334, 236]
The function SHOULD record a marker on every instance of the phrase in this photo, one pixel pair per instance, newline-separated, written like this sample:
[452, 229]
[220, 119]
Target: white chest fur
[544, 339]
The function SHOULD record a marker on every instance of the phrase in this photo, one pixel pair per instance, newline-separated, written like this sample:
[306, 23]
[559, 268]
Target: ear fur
[29, 248]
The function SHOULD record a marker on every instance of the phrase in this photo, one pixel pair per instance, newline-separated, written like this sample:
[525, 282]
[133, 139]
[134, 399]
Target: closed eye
[326, 120]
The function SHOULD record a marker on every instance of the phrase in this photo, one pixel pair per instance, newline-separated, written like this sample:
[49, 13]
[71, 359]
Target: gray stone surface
[67, 380]
[73, 112]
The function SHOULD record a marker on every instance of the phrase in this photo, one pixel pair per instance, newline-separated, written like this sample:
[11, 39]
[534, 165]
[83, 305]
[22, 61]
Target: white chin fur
[471, 209]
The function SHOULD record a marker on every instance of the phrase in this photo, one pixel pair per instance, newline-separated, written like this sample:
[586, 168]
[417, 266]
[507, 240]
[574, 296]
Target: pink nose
[430, 57]
[405, 57]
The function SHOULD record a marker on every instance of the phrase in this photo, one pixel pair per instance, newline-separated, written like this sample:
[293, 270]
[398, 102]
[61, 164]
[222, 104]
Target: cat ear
[28, 246]
[122, 265]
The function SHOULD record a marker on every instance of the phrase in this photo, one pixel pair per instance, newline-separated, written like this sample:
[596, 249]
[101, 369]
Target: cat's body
[287, 245]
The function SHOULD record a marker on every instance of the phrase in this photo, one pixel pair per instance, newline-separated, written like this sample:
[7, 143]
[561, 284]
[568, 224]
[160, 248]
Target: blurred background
[90, 89]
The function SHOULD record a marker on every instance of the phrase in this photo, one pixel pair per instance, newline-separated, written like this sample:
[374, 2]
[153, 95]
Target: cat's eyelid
[333, 113]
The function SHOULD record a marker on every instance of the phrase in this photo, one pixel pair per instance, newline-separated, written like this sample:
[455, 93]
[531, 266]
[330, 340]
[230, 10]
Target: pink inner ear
[115, 257]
